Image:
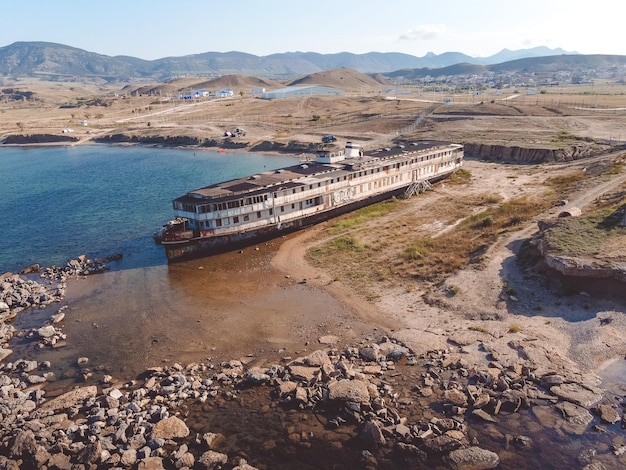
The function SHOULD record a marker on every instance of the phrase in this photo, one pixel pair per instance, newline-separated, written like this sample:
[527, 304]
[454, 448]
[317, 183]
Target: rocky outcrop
[583, 267]
[171, 141]
[521, 155]
[19, 139]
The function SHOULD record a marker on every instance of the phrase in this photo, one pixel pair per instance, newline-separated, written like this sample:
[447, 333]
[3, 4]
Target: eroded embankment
[516, 154]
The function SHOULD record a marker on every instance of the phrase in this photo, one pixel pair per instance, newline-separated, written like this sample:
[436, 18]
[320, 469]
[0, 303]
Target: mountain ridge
[39, 58]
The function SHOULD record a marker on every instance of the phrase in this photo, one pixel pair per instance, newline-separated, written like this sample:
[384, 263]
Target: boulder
[170, 428]
[211, 459]
[372, 435]
[317, 358]
[472, 458]
[349, 390]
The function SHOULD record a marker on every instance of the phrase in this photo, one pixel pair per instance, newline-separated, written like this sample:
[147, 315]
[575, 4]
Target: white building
[224, 93]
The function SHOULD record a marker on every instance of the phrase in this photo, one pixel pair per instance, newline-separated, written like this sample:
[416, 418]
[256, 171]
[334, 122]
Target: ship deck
[302, 174]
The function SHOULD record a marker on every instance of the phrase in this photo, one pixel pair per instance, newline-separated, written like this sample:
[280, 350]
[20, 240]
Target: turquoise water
[60, 202]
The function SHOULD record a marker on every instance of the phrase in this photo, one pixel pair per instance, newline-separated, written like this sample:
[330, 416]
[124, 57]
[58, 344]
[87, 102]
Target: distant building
[257, 91]
[309, 90]
[224, 93]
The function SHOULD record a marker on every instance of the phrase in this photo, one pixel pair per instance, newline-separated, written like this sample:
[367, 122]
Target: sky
[152, 29]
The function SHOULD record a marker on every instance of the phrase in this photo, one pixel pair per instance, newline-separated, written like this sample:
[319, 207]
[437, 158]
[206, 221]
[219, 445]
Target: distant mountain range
[51, 60]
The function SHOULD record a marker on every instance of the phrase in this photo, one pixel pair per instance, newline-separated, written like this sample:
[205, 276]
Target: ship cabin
[335, 178]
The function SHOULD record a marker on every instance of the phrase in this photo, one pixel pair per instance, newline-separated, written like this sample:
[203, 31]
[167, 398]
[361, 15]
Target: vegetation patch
[586, 235]
[361, 216]
[460, 176]
[432, 259]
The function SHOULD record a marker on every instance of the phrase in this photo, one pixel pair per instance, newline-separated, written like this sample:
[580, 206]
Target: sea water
[60, 202]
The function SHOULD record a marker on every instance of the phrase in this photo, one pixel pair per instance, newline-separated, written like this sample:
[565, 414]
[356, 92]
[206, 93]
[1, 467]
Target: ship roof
[302, 174]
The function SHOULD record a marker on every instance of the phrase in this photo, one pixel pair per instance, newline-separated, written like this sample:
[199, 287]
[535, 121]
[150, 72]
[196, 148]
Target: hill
[346, 79]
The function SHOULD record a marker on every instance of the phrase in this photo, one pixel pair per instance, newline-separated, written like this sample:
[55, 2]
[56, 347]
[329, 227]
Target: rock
[24, 445]
[4, 353]
[33, 268]
[472, 458]
[317, 358]
[68, 400]
[46, 331]
[59, 461]
[151, 463]
[170, 428]
[243, 465]
[481, 400]
[129, 457]
[329, 339]
[577, 417]
[549, 380]
[211, 460]
[483, 416]
[607, 414]
[577, 393]
[369, 353]
[90, 453]
[402, 430]
[301, 395]
[211, 439]
[372, 435]
[257, 375]
[455, 397]
[349, 390]
[304, 373]
[440, 444]
[286, 387]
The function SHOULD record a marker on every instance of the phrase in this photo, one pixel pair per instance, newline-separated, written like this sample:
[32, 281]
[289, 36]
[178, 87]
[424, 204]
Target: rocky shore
[385, 404]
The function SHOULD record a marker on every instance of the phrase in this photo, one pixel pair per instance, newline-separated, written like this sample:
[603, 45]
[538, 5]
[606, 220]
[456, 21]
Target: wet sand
[225, 307]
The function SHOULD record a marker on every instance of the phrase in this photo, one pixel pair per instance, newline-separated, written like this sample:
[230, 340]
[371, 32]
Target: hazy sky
[152, 29]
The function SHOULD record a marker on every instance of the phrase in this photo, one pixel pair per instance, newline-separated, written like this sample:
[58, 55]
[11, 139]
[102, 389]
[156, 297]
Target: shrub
[515, 328]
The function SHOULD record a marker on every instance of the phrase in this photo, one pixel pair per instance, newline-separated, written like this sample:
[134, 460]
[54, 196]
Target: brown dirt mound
[342, 78]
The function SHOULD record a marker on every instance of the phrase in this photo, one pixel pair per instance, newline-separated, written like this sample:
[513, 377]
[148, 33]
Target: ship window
[293, 191]
[246, 218]
[233, 204]
[293, 206]
[258, 214]
[271, 211]
[235, 220]
[282, 208]
[218, 222]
